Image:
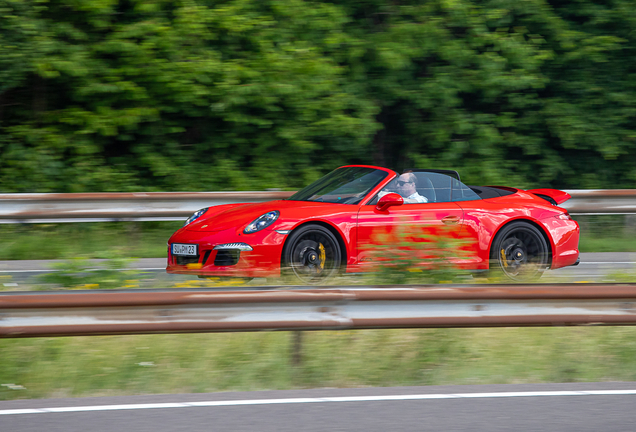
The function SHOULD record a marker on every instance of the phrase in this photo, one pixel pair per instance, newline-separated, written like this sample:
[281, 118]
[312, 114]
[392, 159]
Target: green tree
[525, 93]
[108, 95]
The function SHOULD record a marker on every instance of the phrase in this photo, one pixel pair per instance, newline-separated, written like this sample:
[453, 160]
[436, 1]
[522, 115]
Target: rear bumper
[565, 241]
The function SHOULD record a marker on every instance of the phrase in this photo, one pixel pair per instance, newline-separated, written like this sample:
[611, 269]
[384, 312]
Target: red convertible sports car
[325, 228]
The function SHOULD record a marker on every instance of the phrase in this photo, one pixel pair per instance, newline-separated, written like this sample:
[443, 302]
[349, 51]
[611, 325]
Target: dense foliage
[115, 95]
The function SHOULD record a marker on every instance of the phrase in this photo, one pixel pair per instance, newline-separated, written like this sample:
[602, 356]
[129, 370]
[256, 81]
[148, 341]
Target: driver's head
[406, 184]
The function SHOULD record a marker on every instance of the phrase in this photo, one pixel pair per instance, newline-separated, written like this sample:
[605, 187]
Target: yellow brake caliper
[322, 256]
[503, 258]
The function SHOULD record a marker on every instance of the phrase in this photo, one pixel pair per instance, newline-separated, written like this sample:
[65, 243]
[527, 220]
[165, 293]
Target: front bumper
[262, 261]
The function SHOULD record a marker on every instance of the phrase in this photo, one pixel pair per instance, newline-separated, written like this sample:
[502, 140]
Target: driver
[405, 186]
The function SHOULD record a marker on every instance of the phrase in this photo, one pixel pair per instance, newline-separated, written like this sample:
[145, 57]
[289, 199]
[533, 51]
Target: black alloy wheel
[519, 252]
[311, 255]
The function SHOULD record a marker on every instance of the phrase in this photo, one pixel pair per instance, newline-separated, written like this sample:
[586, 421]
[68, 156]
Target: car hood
[241, 215]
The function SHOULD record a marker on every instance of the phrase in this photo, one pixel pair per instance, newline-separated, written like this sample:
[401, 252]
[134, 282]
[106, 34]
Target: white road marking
[170, 405]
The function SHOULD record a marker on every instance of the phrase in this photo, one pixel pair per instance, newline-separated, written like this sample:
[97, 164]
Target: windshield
[343, 186]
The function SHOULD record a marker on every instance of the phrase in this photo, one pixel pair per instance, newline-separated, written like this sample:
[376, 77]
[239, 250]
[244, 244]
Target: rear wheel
[519, 252]
[311, 255]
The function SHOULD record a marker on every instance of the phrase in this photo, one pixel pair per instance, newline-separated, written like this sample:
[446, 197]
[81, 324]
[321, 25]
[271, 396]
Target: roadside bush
[412, 253]
[80, 273]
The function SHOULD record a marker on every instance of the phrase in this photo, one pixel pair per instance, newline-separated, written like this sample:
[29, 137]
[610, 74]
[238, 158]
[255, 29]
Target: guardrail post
[630, 224]
[134, 235]
[297, 346]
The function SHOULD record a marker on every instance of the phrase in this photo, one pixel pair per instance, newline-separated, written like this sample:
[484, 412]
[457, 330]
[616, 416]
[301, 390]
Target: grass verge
[193, 363]
[87, 240]
[607, 244]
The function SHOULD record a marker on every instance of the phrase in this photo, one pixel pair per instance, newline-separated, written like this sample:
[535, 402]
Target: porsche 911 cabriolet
[325, 228]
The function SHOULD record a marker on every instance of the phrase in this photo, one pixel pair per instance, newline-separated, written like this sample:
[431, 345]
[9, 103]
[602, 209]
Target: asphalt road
[597, 267]
[579, 407]
[594, 267]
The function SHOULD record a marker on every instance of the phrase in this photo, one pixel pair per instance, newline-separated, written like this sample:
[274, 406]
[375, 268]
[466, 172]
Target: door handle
[451, 220]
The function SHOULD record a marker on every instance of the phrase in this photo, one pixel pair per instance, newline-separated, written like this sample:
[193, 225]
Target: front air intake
[227, 257]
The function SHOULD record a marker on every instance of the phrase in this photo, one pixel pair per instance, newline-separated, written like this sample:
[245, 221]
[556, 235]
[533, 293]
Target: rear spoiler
[553, 196]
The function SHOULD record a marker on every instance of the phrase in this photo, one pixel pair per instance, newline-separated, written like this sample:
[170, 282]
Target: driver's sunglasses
[402, 183]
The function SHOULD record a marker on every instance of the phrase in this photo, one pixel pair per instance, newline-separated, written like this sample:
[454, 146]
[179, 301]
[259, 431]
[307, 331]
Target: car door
[402, 223]
[479, 224]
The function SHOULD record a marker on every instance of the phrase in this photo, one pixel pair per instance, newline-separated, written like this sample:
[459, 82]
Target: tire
[519, 252]
[311, 255]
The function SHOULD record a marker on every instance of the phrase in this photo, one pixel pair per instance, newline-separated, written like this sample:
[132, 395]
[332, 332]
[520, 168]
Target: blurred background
[167, 95]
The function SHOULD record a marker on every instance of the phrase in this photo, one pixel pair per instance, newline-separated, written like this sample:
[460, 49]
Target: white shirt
[411, 199]
[415, 198]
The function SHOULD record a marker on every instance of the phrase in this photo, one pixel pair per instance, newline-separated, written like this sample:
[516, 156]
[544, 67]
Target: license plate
[185, 249]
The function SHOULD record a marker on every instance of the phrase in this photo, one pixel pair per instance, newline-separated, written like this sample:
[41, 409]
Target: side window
[461, 192]
[428, 187]
[408, 187]
[434, 186]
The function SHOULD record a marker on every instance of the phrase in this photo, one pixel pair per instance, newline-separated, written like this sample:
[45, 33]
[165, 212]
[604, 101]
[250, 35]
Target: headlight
[262, 222]
[197, 214]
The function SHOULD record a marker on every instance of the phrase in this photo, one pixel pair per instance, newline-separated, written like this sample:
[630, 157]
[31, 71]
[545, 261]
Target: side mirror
[389, 200]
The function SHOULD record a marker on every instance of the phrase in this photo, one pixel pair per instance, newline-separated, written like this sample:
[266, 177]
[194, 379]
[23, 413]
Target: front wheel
[519, 252]
[311, 255]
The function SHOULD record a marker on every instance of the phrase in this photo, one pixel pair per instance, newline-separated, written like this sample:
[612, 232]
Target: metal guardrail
[601, 201]
[165, 206]
[107, 207]
[137, 312]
